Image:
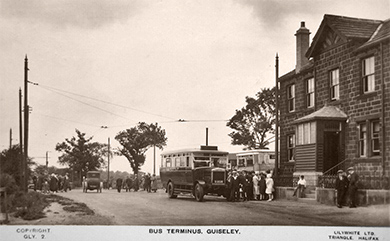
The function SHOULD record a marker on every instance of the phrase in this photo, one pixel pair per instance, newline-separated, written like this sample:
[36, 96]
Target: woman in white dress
[270, 187]
[256, 188]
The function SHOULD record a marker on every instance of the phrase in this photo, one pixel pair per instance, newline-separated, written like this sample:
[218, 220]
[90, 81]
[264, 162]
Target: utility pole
[154, 159]
[26, 112]
[207, 136]
[108, 165]
[10, 138]
[277, 114]
[21, 136]
[47, 160]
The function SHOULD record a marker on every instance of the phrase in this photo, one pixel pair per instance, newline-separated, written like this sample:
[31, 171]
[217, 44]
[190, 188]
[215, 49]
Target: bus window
[201, 163]
[188, 161]
[177, 161]
[182, 161]
[241, 162]
[168, 162]
[219, 162]
[249, 162]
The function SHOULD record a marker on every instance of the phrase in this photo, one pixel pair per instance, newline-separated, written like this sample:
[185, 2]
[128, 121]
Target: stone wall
[327, 196]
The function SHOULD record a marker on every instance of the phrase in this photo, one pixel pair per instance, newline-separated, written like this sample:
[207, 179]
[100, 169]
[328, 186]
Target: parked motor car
[93, 182]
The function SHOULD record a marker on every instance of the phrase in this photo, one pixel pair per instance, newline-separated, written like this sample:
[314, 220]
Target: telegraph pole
[154, 159]
[21, 135]
[26, 112]
[277, 114]
[47, 161]
[108, 165]
[10, 138]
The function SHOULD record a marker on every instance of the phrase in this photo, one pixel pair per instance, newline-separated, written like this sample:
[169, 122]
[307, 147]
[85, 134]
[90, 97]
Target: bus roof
[193, 150]
[257, 151]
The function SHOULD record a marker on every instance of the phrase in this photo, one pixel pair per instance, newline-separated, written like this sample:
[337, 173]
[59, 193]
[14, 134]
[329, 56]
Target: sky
[116, 63]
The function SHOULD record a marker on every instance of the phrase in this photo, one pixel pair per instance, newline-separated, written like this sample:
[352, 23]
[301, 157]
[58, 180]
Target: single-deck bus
[195, 171]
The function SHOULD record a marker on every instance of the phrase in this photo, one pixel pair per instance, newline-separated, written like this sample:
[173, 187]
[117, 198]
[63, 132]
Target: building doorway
[331, 151]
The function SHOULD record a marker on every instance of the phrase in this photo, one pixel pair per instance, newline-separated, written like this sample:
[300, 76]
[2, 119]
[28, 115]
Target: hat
[350, 168]
[257, 172]
[340, 171]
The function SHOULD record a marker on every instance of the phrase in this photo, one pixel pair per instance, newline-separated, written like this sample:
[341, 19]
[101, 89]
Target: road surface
[153, 209]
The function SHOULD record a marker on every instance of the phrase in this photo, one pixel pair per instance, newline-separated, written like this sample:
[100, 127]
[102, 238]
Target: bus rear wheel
[199, 193]
[171, 190]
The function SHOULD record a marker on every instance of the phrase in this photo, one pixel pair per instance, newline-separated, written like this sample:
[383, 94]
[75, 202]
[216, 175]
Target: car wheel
[199, 193]
[171, 190]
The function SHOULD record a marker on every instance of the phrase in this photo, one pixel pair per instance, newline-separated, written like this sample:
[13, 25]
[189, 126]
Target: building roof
[382, 33]
[325, 113]
[346, 28]
[369, 31]
[304, 68]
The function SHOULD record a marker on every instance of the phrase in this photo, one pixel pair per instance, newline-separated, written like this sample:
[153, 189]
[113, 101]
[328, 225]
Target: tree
[253, 122]
[10, 163]
[137, 140]
[82, 155]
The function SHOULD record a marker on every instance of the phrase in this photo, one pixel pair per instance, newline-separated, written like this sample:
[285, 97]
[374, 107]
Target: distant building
[335, 105]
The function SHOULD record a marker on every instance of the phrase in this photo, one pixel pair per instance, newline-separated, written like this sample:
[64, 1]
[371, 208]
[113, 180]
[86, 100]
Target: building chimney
[302, 36]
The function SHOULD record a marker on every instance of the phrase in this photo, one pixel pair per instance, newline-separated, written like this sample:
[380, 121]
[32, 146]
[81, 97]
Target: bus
[254, 160]
[194, 171]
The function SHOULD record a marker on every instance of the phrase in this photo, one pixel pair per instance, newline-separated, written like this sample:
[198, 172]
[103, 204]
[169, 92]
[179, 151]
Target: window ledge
[365, 96]
[369, 159]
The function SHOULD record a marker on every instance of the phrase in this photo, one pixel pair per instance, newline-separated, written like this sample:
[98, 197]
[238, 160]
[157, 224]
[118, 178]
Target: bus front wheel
[171, 190]
[199, 193]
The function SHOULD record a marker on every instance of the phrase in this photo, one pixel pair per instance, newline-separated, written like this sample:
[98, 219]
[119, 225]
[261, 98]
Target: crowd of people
[246, 186]
[147, 182]
[52, 183]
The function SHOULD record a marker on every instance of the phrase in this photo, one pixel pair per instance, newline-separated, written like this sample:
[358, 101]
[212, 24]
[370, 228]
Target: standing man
[147, 182]
[129, 184]
[341, 187]
[235, 186]
[136, 182]
[66, 183]
[352, 187]
[119, 183]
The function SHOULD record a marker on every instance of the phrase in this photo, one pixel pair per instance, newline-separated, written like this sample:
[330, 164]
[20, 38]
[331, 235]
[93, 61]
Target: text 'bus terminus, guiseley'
[196, 171]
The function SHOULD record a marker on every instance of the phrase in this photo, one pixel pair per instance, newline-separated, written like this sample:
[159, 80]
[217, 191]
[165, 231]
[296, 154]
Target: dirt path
[65, 212]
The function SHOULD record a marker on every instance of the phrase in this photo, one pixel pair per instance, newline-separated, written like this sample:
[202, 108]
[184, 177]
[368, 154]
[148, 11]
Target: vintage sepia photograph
[194, 119]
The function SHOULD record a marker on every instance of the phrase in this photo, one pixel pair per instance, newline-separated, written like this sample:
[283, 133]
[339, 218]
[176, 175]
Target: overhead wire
[172, 120]
[86, 103]
[106, 102]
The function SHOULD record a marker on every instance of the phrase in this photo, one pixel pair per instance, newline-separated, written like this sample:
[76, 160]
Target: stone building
[335, 105]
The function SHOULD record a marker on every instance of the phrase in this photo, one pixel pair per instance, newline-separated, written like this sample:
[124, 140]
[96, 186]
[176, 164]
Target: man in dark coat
[148, 183]
[66, 183]
[235, 187]
[53, 183]
[341, 187]
[129, 184]
[244, 185]
[119, 183]
[136, 182]
[352, 187]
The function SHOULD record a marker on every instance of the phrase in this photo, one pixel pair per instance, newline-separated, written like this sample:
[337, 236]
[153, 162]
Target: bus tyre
[171, 190]
[199, 193]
